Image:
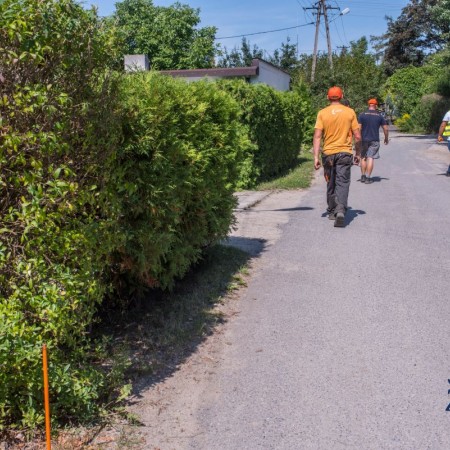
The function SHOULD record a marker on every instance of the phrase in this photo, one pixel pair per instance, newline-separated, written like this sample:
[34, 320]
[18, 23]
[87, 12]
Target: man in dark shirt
[370, 122]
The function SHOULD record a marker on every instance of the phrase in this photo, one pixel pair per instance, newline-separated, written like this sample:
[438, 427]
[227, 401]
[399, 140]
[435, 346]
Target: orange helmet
[335, 93]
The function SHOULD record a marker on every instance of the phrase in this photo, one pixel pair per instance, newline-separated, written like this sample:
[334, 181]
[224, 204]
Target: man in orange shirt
[334, 124]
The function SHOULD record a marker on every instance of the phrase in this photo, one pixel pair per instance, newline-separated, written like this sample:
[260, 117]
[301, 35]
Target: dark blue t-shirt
[371, 121]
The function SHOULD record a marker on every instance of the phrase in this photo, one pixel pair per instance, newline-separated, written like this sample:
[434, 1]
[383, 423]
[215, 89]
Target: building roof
[215, 72]
[253, 70]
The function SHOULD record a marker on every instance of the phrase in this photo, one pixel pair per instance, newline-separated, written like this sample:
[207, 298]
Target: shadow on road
[378, 179]
[300, 208]
[158, 333]
[415, 136]
[352, 214]
[252, 246]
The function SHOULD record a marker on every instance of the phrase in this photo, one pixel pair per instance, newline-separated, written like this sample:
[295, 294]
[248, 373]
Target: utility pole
[321, 8]
[343, 49]
[316, 40]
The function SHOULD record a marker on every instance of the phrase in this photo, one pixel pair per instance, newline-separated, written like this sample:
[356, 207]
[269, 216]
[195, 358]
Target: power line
[265, 32]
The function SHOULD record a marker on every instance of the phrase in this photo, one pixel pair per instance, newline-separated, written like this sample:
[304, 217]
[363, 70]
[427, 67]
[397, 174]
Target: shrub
[54, 137]
[405, 88]
[405, 123]
[278, 123]
[172, 182]
[427, 115]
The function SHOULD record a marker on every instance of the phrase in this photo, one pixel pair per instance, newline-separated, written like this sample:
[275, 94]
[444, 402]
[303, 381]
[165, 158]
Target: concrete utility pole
[321, 8]
[316, 40]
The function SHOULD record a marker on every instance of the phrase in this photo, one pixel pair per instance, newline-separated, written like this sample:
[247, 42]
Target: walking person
[334, 124]
[444, 130]
[371, 121]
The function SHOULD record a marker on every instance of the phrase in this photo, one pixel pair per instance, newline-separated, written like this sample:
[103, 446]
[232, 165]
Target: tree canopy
[239, 57]
[417, 32]
[286, 56]
[355, 70]
[167, 35]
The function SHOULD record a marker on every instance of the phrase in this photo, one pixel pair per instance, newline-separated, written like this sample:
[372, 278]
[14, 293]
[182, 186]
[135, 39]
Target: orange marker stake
[46, 397]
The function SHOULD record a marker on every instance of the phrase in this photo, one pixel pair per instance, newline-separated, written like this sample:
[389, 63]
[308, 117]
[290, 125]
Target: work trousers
[337, 170]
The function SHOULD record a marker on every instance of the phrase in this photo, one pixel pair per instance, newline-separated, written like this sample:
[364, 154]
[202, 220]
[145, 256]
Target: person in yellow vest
[333, 125]
[444, 131]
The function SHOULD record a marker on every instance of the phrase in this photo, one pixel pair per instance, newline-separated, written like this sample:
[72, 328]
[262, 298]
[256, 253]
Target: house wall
[259, 72]
[272, 76]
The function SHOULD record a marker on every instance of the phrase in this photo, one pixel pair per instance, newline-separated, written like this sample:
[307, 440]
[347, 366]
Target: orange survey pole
[46, 397]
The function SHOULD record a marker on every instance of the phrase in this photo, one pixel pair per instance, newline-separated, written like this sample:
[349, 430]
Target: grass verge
[299, 177]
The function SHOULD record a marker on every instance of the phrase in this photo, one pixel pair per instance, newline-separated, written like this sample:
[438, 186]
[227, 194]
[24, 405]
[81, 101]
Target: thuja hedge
[279, 123]
[174, 176]
[102, 178]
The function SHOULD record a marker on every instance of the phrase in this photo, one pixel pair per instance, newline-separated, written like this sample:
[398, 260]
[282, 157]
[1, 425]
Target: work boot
[339, 220]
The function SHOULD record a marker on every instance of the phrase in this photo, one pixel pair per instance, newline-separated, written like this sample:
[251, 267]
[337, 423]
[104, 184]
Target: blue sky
[236, 17]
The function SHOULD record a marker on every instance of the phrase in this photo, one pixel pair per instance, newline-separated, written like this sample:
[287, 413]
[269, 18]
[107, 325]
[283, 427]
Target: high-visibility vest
[446, 130]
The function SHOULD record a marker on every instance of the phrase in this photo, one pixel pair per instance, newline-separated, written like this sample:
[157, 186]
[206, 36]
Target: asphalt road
[343, 338]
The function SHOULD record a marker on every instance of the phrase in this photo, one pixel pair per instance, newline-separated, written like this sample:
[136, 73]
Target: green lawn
[298, 177]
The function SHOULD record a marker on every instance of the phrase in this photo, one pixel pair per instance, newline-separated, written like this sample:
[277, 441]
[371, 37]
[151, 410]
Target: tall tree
[440, 13]
[412, 36]
[240, 57]
[286, 57]
[355, 70]
[167, 35]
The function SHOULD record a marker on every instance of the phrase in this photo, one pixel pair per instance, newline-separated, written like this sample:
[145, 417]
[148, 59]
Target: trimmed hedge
[103, 177]
[279, 123]
[174, 176]
[428, 113]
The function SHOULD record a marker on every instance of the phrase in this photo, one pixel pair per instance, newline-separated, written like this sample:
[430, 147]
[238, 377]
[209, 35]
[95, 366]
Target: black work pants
[337, 170]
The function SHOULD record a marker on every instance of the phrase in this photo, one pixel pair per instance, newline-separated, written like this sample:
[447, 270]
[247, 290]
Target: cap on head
[335, 93]
[373, 101]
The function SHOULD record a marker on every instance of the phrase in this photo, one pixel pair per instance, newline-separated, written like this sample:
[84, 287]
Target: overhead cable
[264, 32]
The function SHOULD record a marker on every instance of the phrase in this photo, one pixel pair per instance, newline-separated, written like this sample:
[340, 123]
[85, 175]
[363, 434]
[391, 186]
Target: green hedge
[173, 180]
[55, 134]
[103, 178]
[428, 113]
[279, 123]
[107, 180]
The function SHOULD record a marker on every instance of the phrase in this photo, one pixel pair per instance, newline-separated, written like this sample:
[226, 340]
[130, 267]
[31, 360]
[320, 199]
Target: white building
[259, 72]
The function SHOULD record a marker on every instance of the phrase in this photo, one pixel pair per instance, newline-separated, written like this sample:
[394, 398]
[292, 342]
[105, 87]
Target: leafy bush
[173, 180]
[278, 123]
[405, 88]
[405, 123]
[427, 115]
[54, 137]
